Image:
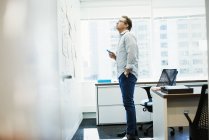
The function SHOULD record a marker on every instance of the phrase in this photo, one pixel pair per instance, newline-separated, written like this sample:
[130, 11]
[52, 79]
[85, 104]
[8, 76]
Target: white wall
[139, 8]
[35, 104]
[88, 97]
[114, 9]
[207, 23]
[177, 7]
[177, 3]
[71, 100]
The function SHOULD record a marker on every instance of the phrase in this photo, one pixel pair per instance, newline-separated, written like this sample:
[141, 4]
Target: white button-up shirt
[127, 54]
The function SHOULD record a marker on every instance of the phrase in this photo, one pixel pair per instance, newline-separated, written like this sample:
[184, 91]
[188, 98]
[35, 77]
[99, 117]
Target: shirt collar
[122, 33]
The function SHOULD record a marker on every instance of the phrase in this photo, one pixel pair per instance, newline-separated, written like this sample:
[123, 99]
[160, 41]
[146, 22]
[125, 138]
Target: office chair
[198, 129]
[168, 77]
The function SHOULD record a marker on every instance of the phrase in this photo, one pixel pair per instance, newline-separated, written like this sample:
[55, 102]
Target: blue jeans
[127, 86]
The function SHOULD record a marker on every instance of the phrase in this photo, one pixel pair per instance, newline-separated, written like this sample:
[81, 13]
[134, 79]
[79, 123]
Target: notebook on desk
[176, 89]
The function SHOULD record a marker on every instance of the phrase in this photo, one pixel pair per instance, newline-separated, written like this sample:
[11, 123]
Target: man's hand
[126, 72]
[112, 55]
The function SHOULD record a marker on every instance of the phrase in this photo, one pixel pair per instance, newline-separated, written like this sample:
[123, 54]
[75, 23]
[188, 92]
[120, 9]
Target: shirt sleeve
[132, 51]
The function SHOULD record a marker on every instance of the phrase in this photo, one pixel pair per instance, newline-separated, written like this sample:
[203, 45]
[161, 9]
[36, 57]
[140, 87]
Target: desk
[168, 111]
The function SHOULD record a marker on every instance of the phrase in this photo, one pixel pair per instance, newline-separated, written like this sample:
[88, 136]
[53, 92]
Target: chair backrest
[201, 117]
[168, 77]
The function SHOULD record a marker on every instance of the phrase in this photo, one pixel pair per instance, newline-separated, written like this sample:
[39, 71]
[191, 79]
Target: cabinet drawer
[109, 96]
[116, 115]
[111, 115]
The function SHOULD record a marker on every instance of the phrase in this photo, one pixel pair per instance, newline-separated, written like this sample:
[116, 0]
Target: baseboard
[89, 115]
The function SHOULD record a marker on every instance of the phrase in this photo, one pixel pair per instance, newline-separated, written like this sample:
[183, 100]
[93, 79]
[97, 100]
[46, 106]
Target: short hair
[128, 21]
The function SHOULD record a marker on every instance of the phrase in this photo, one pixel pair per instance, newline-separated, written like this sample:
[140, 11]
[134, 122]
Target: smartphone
[109, 51]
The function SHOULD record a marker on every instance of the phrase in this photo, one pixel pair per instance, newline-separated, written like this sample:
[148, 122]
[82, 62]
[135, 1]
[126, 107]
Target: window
[175, 44]
[183, 44]
[163, 27]
[182, 26]
[163, 36]
[164, 45]
[164, 53]
[184, 62]
[164, 62]
[99, 35]
[197, 61]
[185, 52]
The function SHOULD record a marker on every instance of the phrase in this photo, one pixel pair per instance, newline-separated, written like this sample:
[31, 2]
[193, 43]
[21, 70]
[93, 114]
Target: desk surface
[154, 83]
[165, 95]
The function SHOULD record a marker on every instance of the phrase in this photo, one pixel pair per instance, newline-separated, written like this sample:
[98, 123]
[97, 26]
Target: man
[127, 71]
